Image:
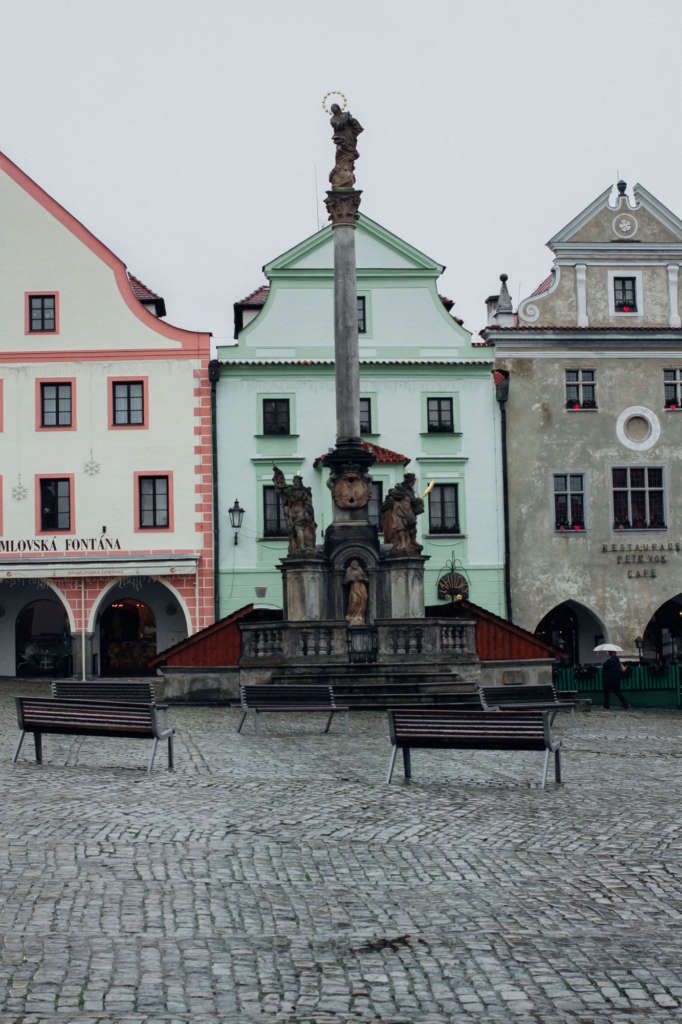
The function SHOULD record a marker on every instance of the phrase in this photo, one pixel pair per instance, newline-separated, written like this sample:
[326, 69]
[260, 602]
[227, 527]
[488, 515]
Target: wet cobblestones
[277, 878]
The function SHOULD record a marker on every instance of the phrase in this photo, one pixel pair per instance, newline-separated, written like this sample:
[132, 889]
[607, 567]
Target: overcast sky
[190, 137]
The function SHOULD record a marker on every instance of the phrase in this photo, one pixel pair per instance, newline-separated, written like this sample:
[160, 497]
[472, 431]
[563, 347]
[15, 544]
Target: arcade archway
[574, 629]
[127, 638]
[663, 634]
[42, 639]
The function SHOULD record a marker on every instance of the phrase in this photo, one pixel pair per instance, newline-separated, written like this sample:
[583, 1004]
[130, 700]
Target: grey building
[589, 372]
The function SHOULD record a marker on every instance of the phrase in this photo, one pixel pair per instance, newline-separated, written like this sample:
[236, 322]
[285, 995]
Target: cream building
[592, 365]
[105, 453]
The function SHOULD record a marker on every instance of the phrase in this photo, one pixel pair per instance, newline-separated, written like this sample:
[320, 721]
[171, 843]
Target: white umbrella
[608, 647]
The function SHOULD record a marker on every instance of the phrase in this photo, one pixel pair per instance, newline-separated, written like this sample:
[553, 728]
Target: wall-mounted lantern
[236, 514]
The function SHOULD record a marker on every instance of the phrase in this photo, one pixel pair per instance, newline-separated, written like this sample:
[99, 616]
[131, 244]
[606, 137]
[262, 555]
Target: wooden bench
[93, 718]
[529, 698]
[472, 730]
[382, 696]
[258, 699]
[72, 689]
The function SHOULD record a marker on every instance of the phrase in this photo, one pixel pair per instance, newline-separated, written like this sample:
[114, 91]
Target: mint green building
[427, 398]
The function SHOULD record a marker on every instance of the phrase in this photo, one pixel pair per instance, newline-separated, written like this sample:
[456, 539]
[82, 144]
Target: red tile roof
[380, 454]
[544, 286]
[256, 298]
[140, 290]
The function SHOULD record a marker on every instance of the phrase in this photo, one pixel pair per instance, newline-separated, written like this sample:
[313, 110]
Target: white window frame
[639, 291]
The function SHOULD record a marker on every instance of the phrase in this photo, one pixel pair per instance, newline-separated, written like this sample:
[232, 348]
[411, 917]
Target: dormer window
[625, 294]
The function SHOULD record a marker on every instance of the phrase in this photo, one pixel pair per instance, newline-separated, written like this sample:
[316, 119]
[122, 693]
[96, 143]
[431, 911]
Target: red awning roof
[380, 454]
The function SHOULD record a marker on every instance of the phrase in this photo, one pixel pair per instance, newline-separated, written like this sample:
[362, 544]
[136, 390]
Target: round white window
[638, 428]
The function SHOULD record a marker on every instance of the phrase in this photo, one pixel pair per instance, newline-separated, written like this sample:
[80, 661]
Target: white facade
[76, 345]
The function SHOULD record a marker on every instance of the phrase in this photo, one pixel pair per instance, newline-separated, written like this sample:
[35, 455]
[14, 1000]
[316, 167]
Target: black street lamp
[236, 514]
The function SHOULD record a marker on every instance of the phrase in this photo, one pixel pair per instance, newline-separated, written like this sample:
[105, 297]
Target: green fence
[644, 686]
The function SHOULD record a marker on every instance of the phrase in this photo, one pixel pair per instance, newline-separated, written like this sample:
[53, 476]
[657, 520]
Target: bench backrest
[107, 718]
[71, 689]
[498, 730]
[281, 696]
[496, 696]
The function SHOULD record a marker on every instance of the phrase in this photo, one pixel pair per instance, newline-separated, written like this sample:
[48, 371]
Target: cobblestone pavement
[277, 878]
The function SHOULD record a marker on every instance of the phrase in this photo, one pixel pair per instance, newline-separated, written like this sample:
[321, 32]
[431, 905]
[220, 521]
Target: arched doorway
[574, 629]
[42, 639]
[127, 637]
[663, 634]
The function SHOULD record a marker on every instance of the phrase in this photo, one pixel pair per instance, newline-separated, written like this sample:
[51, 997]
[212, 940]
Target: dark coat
[611, 670]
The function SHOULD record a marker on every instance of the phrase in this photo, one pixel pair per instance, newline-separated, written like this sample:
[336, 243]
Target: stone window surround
[553, 492]
[262, 397]
[639, 291]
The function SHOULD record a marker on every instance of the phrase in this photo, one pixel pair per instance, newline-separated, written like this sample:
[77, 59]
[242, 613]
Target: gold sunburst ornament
[334, 92]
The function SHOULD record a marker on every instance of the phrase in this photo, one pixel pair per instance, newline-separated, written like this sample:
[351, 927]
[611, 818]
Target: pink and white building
[106, 483]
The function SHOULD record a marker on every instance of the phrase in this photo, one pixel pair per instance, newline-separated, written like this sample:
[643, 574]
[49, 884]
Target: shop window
[638, 498]
[569, 502]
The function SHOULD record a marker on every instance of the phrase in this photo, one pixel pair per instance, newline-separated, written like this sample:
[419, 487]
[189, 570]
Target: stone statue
[399, 513]
[298, 502]
[345, 138]
[357, 595]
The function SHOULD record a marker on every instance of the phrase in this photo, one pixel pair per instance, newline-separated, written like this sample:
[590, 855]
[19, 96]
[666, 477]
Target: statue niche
[298, 502]
[399, 513]
[356, 608]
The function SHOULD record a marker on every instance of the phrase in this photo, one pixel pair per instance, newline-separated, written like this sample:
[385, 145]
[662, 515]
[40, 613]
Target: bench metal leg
[151, 759]
[170, 754]
[407, 766]
[38, 740]
[242, 720]
[21, 740]
[557, 765]
[544, 771]
[329, 721]
[391, 764]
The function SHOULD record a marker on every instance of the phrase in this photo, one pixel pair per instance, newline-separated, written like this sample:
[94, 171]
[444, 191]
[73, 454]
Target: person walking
[611, 673]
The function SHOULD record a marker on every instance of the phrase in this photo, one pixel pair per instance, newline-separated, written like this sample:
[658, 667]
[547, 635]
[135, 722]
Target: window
[375, 502]
[55, 405]
[55, 504]
[671, 388]
[128, 403]
[365, 415]
[569, 501]
[154, 504]
[443, 512]
[42, 313]
[580, 389]
[275, 415]
[638, 498]
[625, 294]
[439, 415]
[274, 514]
[362, 315]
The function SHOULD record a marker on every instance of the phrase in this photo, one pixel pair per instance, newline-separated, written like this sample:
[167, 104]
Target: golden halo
[334, 92]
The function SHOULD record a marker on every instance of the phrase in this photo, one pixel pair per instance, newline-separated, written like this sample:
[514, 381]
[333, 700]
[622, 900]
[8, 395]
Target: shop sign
[47, 545]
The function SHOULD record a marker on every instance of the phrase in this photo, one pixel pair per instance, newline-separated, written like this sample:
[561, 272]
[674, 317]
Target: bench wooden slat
[471, 730]
[93, 718]
[124, 690]
[259, 698]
